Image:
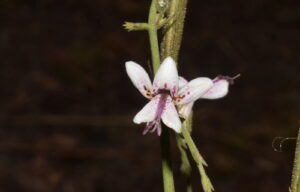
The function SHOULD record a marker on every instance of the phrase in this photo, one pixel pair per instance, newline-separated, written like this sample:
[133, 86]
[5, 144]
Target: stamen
[148, 127]
[158, 129]
[235, 77]
[152, 127]
[227, 78]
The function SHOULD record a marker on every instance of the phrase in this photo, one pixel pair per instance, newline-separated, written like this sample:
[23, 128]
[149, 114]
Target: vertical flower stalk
[167, 172]
[156, 20]
[170, 47]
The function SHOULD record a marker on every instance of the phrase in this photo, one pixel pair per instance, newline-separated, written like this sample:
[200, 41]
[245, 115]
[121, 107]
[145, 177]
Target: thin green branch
[130, 26]
[185, 167]
[185, 163]
[206, 183]
[295, 185]
[152, 31]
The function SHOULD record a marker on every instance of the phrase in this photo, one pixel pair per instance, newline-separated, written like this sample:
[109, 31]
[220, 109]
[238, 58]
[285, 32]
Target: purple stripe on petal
[155, 124]
[161, 105]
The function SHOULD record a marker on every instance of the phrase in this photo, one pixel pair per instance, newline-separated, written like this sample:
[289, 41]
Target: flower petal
[170, 116]
[193, 90]
[218, 90]
[148, 113]
[185, 110]
[139, 78]
[167, 76]
[182, 82]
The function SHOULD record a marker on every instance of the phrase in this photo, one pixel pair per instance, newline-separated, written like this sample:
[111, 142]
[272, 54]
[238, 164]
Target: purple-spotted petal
[193, 90]
[182, 82]
[185, 110]
[167, 76]
[148, 113]
[170, 116]
[139, 78]
[218, 90]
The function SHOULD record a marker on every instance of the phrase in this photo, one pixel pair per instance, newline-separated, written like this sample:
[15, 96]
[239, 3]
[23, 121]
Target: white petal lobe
[167, 76]
[194, 90]
[218, 90]
[139, 78]
[148, 113]
[182, 82]
[170, 116]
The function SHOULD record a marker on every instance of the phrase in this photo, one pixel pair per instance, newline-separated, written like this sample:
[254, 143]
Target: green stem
[296, 169]
[191, 145]
[152, 31]
[167, 172]
[206, 184]
[185, 167]
[168, 180]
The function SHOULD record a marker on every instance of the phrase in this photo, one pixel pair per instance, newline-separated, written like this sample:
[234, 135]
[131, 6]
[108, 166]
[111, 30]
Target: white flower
[164, 94]
[218, 90]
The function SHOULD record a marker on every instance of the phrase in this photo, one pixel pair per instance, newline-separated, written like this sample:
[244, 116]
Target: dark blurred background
[67, 105]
